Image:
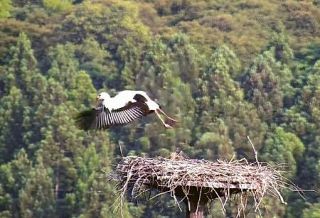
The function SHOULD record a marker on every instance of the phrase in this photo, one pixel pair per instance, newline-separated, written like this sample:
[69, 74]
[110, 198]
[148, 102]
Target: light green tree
[223, 105]
[283, 148]
[313, 211]
[5, 8]
[57, 6]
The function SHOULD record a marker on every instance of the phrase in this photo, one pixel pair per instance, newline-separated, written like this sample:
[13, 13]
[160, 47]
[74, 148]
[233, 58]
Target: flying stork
[121, 109]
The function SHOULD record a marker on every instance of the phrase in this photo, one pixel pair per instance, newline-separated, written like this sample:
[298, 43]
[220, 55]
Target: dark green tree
[24, 89]
[11, 138]
[38, 185]
[262, 87]
[14, 176]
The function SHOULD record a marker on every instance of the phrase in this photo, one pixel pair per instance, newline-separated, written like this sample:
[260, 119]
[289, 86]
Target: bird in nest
[178, 155]
[121, 109]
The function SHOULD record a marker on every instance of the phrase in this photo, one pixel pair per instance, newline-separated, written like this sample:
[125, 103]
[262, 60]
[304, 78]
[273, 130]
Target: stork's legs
[163, 122]
[169, 122]
[161, 111]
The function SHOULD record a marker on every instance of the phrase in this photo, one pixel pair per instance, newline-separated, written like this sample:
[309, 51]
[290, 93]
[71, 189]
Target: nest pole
[196, 209]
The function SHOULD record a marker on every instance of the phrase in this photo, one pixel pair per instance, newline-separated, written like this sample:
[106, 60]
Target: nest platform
[196, 182]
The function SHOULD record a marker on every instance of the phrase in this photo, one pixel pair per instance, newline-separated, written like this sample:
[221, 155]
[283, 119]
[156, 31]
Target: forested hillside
[225, 69]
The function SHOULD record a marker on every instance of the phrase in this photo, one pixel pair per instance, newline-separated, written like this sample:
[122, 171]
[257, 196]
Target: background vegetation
[225, 69]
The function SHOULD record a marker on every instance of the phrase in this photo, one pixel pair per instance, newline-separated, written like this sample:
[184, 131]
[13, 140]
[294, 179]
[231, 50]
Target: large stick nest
[198, 180]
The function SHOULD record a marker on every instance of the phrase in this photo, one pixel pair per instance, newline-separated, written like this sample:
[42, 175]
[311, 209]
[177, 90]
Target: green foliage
[5, 8]
[11, 121]
[223, 108]
[14, 176]
[282, 50]
[57, 5]
[39, 186]
[97, 62]
[262, 86]
[224, 69]
[63, 65]
[283, 148]
[312, 212]
[217, 146]
[22, 65]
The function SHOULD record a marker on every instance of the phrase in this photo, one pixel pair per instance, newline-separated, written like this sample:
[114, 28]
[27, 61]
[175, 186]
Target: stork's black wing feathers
[101, 118]
[85, 118]
[128, 113]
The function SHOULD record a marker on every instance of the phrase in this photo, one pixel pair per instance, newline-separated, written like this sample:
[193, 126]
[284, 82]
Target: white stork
[121, 109]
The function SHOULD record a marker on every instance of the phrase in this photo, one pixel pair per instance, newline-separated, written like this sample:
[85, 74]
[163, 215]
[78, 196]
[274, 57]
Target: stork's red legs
[168, 122]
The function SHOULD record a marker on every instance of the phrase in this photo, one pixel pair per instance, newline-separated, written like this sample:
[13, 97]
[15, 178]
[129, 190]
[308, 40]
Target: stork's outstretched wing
[101, 118]
[132, 111]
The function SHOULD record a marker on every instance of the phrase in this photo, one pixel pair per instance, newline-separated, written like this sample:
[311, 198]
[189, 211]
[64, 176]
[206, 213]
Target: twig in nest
[120, 147]
[254, 150]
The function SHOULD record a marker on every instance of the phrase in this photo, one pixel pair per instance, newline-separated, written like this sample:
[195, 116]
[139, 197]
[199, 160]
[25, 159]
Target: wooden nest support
[196, 182]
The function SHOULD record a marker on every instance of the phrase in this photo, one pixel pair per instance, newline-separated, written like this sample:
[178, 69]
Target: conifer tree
[262, 87]
[14, 176]
[22, 85]
[11, 130]
[223, 107]
[36, 199]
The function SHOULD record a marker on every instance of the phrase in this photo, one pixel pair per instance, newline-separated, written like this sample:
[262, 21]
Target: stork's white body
[126, 96]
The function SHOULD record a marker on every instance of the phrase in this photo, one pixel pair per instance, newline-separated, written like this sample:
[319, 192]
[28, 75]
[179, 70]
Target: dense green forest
[225, 69]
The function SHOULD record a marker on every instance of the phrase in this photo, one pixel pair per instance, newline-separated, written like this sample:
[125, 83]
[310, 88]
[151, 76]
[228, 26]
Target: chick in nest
[178, 155]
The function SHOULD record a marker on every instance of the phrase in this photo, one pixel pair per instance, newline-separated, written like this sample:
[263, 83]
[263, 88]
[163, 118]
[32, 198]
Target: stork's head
[103, 96]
